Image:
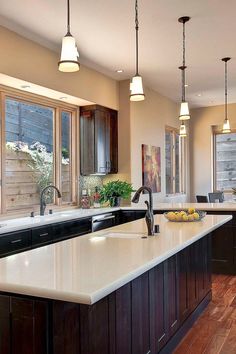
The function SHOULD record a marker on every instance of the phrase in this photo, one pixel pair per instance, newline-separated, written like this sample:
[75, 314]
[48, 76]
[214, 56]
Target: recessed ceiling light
[25, 86]
[119, 71]
[186, 85]
[199, 94]
[63, 98]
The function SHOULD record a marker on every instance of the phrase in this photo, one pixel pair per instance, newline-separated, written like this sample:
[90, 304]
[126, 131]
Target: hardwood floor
[215, 330]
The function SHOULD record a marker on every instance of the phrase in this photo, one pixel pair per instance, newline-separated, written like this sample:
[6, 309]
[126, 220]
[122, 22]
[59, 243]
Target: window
[224, 161]
[37, 150]
[174, 157]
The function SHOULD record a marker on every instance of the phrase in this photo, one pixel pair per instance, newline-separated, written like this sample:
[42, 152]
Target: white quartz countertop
[29, 222]
[36, 221]
[226, 206]
[87, 268]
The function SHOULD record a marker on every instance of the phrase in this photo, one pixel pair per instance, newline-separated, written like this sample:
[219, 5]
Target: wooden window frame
[58, 107]
[216, 131]
[182, 165]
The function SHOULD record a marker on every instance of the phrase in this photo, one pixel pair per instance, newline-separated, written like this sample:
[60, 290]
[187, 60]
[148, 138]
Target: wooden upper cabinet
[98, 140]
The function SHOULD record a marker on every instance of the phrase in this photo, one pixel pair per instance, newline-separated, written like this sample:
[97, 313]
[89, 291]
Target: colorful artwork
[151, 167]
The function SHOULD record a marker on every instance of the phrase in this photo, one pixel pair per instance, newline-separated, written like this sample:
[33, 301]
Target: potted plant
[113, 191]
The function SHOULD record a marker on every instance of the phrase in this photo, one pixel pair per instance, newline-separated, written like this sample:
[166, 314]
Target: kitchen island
[112, 291]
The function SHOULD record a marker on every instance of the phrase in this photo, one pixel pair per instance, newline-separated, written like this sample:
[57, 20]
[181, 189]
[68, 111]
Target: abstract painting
[151, 167]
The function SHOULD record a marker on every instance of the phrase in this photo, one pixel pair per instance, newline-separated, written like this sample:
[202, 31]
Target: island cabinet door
[5, 324]
[29, 331]
[193, 276]
[172, 284]
[129, 326]
[203, 267]
[158, 307]
[140, 315]
[222, 249]
[94, 329]
[184, 284]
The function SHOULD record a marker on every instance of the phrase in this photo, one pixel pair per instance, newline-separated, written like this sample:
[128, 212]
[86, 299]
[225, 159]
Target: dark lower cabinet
[42, 236]
[5, 328]
[15, 242]
[158, 307]
[23, 326]
[148, 315]
[71, 228]
[223, 250]
[130, 215]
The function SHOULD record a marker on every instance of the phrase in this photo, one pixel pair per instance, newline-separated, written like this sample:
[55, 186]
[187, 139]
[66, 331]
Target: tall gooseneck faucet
[42, 197]
[149, 214]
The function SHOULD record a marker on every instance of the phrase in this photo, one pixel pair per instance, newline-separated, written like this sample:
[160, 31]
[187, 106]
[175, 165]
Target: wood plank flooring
[215, 330]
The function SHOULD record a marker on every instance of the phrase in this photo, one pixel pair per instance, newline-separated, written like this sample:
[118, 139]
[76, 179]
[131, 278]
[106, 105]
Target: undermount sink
[121, 234]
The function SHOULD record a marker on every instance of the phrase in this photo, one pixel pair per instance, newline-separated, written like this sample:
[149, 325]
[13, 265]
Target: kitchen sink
[122, 234]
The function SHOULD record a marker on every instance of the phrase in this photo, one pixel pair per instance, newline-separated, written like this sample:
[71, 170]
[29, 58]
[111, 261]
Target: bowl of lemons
[189, 215]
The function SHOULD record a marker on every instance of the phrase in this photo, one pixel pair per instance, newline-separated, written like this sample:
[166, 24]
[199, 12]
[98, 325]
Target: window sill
[26, 212]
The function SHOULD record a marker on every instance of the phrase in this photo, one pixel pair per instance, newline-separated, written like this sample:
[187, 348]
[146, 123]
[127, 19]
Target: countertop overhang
[87, 268]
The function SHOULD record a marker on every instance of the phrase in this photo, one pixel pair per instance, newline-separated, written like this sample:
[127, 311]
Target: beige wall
[27, 60]
[202, 120]
[148, 121]
[144, 123]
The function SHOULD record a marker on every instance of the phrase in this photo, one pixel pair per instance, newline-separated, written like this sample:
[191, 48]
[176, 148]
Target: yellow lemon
[171, 216]
[185, 217]
[183, 212]
[179, 217]
[191, 210]
[190, 217]
[196, 216]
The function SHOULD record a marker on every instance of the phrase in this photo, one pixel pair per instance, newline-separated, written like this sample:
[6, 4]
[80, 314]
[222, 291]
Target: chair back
[202, 198]
[216, 197]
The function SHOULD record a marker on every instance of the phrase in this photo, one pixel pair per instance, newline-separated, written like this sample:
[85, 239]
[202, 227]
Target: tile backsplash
[89, 183]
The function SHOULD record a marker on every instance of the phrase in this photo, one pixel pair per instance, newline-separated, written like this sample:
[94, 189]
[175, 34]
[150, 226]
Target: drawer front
[15, 241]
[72, 228]
[42, 235]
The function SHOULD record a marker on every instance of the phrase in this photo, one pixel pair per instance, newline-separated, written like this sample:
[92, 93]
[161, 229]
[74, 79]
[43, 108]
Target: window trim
[58, 107]
[216, 131]
[182, 162]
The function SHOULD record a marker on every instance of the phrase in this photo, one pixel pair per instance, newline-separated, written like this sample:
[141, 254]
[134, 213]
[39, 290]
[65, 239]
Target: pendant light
[136, 85]
[182, 130]
[226, 125]
[184, 109]
[69, 52]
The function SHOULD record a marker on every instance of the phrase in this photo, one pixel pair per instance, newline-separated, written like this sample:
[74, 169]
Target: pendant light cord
[226, 92]
[183, 66]
[136, 29]
[68, 16]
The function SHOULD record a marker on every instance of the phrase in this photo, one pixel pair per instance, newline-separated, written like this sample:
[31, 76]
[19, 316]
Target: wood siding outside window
[224, 160]
[38, 147]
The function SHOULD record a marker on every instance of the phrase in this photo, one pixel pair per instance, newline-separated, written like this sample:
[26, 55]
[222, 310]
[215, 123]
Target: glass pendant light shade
[69, 55]
[226, 126]
[182, 130]
[136, 89]
[184, 111]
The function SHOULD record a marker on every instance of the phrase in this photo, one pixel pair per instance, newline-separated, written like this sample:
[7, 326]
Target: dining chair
[216, 197]
[201, 198]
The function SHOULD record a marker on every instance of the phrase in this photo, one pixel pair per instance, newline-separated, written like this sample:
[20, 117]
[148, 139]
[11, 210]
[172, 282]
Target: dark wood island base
[150, 314]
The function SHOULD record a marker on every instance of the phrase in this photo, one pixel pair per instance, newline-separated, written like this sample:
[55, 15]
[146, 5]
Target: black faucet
[42, 199]
[149, 214]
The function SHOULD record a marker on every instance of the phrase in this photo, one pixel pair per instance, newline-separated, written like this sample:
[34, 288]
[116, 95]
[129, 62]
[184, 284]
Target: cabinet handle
[45, 234]
[16, 241]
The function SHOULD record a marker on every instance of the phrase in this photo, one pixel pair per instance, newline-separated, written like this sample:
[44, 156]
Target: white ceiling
[104, 30]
